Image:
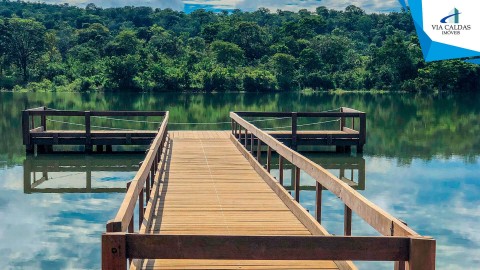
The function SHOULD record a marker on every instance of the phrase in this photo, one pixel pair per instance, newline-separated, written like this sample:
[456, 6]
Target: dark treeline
[63, 48]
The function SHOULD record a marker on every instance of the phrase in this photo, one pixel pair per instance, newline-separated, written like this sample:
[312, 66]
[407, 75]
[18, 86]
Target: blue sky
[248, 5]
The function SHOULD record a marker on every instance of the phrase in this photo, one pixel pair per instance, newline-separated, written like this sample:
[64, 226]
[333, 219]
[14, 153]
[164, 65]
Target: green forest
[64, 48]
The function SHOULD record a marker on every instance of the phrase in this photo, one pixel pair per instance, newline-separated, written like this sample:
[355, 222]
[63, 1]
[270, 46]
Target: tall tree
[25, 41]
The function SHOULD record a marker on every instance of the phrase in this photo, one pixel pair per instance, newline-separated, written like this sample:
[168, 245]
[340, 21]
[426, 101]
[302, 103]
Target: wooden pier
[36, 133]
[208, 200]
[351, 129]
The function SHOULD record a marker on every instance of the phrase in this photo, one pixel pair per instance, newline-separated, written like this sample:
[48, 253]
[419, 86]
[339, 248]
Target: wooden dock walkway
[211, 189]
[206, 200]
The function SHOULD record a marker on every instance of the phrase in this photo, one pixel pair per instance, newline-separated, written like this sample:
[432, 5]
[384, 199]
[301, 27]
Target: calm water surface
[420, 164]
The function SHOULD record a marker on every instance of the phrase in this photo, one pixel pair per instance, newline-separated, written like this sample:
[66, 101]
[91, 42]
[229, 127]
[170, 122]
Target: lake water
[421, 164]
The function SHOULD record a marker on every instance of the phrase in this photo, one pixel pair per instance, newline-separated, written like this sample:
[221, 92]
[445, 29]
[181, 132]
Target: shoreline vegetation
[62, 48]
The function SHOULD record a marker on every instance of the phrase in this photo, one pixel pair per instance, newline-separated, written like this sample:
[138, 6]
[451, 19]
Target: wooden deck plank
[237, 264]
[211, 189]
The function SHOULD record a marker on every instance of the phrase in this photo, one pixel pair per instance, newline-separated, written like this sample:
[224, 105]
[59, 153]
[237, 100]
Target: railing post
[318, 204]
[147, 188]
[362, 132]
[246, 140]
[114, 255]
[88, 133]
[152, 176]
[280, 169]
[252, 142]
[26, 132]
[294, 131]
[297, 184]
[232, 125]
[44, 119]
[342, 120]
[130, 225]
[269, 158]
[347, 226]
[240, 134]
[259, 151]
[140, 208]
[422, 253]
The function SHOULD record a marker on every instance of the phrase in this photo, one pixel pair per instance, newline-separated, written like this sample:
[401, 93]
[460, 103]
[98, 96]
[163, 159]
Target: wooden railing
[351, 122]
[383, 222]
[30, 126]
[143, 182]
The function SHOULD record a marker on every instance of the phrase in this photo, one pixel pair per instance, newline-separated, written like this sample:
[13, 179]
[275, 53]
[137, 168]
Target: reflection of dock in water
[72, 173]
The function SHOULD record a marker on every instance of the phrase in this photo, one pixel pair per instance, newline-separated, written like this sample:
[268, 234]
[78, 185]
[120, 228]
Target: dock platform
[208, 200]
[44, 128]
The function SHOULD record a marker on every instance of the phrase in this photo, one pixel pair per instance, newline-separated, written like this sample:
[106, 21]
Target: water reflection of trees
[402, 126]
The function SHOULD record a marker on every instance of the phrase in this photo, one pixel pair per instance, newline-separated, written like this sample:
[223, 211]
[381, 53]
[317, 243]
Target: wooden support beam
[347, 226]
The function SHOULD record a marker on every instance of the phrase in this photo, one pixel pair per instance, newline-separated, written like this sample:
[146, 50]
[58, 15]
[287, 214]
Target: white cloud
[292, 5]
[247, 5]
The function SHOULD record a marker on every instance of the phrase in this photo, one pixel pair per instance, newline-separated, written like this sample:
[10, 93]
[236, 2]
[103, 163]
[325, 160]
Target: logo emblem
[454, 17]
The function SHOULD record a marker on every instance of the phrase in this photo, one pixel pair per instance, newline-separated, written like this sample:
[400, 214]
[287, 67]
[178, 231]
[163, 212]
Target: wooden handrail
[352, 113]
[379, 219]
[343, 113]
[117, 247]
[94, 113]
[125, 214]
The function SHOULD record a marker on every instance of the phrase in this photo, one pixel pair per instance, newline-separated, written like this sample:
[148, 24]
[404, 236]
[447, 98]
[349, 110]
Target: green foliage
[63, 48]
[227, 53]
[258, 80]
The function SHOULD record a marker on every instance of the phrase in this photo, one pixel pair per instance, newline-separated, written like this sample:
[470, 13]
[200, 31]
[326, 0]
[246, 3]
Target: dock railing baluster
[294, 130]
[88, 133]
[318, 203]
[297, 183]
[347, 227]
[43, 118]
[269, 158]
[280, 169]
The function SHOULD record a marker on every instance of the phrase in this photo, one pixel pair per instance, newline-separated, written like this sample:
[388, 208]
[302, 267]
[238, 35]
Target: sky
[246, 5]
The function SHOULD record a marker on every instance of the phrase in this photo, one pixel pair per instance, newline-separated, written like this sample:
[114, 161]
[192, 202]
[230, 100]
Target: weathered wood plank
[253, 247]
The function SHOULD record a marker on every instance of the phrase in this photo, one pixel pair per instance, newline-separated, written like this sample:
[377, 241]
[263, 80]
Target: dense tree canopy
[65, 48]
